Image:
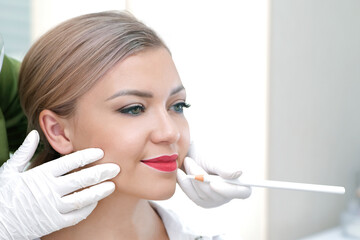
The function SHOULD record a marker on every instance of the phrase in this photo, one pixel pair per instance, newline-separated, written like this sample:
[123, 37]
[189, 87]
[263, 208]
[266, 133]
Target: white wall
[314, 111]
[46, 14]
[15, 27]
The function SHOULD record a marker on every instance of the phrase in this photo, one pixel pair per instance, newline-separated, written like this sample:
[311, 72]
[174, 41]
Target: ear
[56, 132]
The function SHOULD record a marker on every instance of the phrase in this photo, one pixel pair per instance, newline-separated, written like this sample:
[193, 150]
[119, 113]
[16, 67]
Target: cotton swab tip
[199, 178]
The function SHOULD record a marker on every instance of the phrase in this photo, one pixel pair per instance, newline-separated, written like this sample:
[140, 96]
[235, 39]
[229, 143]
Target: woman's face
[135, 114]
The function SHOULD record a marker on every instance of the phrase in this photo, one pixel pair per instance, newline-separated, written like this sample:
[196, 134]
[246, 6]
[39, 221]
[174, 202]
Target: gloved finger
[201, 189]
[74, 217]
[230, 191]
[205, 192]
[226, 172]
[72, 161]
[25, 152]
[186, 184]
[85, 197]
[192, 151]
[86, 177]
[200, 159]
[192, 168]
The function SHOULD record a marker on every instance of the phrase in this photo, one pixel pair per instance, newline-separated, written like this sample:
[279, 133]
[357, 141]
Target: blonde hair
[68, 60]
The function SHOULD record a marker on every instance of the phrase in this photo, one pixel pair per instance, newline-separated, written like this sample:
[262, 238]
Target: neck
[118, 216]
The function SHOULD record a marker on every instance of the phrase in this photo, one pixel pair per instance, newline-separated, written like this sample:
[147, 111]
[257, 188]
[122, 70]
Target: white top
[176, 229]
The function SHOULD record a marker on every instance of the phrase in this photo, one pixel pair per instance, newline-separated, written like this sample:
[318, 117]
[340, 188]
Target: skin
[130, 127]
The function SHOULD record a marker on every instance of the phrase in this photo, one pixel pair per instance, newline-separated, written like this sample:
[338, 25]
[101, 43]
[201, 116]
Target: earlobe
[54, 128]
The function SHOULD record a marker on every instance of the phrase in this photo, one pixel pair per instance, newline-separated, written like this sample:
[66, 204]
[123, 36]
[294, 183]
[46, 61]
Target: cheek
[116, 140]
[184, 142]
[122, 142]
[122, 147]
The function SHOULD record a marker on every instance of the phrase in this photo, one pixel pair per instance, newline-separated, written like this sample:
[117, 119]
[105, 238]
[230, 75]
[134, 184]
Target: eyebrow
[142, 93]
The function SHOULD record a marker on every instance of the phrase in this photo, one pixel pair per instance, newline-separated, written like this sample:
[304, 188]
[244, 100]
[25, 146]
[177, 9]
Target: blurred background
[274, 87]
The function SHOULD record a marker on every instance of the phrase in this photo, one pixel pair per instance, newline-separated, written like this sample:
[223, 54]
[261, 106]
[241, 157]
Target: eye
[179, 107]
[132, 110]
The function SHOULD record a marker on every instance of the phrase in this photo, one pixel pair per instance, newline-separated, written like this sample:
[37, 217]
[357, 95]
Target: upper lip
[162, 158]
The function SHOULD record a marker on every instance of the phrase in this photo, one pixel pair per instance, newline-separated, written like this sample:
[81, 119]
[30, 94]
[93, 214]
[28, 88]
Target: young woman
[106, 80]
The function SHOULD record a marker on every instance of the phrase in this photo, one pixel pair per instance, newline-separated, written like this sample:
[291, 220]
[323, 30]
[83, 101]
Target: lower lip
[167, 166]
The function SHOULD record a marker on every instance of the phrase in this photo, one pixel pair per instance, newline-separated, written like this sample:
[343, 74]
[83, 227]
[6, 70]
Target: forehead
[146, 69]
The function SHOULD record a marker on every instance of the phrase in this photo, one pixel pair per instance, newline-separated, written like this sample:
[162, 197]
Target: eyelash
[136, 110]
[182, 105]
[130, 110]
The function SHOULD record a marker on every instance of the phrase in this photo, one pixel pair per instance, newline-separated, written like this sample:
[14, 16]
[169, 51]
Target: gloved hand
[212, 194]
[37, 202]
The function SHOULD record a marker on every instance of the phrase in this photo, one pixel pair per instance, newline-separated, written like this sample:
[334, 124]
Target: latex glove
[37, 202]
[212, 194]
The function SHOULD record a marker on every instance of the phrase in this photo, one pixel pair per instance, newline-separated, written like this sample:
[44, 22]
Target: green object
[13, 122]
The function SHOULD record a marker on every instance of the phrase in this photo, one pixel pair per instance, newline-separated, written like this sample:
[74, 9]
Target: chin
[164, 195]
[160, 192]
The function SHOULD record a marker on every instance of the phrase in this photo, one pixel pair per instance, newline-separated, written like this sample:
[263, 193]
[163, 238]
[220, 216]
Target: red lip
[165, 163]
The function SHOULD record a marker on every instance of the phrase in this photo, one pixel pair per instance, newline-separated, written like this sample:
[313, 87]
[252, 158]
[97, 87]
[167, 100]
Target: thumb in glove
[210, 166]
[22, 156]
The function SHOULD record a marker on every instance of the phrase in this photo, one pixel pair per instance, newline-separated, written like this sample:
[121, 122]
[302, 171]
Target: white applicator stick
[272, 184]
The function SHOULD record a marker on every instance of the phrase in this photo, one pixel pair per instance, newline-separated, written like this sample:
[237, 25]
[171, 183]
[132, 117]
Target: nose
[165, 129]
